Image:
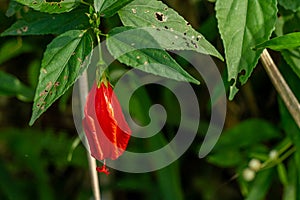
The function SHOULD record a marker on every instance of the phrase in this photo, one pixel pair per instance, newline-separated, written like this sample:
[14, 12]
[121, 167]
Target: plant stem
[281, 86]
[83, 87]
[85, 3]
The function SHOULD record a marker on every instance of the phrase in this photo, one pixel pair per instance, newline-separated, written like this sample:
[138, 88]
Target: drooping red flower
[104, 124]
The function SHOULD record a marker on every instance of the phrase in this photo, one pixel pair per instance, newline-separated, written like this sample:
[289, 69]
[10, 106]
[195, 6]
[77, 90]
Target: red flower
[104, 124]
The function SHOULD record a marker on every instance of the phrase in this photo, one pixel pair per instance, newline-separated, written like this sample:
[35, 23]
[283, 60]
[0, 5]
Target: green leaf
[11, 86]
[291, 187]
[228, 158]
[293, 5]
[12, 48]
[288, 41]
[65, 58]
[137, 48]
[261, 185]
[229, 150]
[37, 23]
[13, 7]
[244, 135]
[282, 174]
[288, 123]
[242, 25]
[98, 4]
[51, 6]
[292, 57]
[110, 7]
[155, 14]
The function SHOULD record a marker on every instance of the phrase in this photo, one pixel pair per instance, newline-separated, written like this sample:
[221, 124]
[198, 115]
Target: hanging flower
[104, 124]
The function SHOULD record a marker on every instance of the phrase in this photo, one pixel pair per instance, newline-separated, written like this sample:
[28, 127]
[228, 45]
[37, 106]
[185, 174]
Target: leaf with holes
[137, 48]
[242, 25]
[37, 23]
[110, 7]
[155, 14]
[65, 58]
[51, 6]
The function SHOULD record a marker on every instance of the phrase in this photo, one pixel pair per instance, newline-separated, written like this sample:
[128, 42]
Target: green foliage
[39, 164]
[12, 48]
[288, 41]
[233, 148]
[11, 86]
[65, 58]
[290, 4]
[37, 23]
[109, 8]
[150, 56]
[261, 185]
[51, 6]
[240, 24]
[32, 153]
[155, 14]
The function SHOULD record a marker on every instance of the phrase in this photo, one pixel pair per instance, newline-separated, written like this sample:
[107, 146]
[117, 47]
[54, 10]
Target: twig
[281, 86]
[83, 87]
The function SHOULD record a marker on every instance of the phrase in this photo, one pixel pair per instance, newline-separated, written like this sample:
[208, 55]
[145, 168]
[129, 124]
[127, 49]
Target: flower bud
[254, 164]
[104, 124]
[248, 174]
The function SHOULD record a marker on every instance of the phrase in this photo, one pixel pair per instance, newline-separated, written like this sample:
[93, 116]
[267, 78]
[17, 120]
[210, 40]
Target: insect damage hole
[160, 17]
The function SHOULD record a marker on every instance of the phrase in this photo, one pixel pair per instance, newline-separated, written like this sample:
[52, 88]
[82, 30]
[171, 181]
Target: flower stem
[83, 87]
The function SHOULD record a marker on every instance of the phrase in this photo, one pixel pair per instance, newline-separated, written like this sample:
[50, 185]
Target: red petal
[112, 121]
[104, 124]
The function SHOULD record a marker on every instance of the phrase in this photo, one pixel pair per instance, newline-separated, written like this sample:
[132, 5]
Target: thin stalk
[83, 87]
[281, 86]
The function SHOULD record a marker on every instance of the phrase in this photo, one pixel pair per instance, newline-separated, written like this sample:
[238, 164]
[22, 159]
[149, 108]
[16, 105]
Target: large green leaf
[64, 60]
[139, 49]
[242, 25]
[288, 41]
[155, 14]
[11, 86]
[110, 7]
[37, 23]
[51, 6]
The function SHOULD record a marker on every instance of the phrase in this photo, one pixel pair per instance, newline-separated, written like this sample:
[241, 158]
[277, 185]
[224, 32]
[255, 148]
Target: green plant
[73, 28]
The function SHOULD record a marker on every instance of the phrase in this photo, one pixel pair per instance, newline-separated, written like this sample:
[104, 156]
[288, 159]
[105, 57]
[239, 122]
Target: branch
[83, 92]
[281, 86]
